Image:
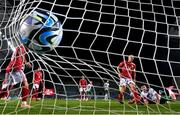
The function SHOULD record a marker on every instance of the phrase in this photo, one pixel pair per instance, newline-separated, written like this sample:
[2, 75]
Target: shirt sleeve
[10, 65]
[152, 91]
[141, 94]
[121, 64]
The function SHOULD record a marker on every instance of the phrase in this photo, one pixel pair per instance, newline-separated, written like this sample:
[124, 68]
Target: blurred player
[167, 95]
[82, 89]
[127, 75]
[106, 90]
[14, 75]
[37, 82]
[149, 95]
[89, 90]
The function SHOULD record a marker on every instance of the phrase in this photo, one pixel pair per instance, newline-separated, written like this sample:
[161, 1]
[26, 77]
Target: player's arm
[145, 101]
[80, 83]
[34, 77]
[10, 65]
[43, 81]
[26, 62]
[134, 74]
[157, 98]
[119, 67]
[156, 94]
[25, 58]
[86, 84]
[13, 57]
[12, 61]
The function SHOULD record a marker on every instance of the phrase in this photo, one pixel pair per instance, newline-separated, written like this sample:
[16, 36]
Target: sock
[36, 94]
[25, 94]
[33, 93]
[4, 93]
[135, 94]
[120, 96]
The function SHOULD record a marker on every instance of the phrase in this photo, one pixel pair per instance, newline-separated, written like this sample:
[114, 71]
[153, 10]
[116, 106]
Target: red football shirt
[18, 59]
[127, 69]
[37, 77]
[83, 83]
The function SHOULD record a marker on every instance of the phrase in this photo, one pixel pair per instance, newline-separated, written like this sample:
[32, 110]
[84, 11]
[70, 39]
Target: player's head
[39, 68]
[144, 88]
[82, 76]
[130, 58]
[20, 46]
[20, 49]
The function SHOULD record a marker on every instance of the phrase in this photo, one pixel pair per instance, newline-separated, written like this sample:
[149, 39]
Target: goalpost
[98, 34]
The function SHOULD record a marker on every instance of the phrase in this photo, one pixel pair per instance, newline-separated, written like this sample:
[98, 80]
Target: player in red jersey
[82, 89]
[127, 77]
[14, 75]
[37, 81]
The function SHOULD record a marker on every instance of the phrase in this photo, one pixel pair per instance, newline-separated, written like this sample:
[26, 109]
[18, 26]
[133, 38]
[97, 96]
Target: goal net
[97, 36]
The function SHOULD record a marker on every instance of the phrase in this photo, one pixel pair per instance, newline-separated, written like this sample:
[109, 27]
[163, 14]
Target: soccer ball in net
[41, 31]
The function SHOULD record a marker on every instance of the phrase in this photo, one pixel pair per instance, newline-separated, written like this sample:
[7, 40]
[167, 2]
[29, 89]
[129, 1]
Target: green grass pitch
[56, 106]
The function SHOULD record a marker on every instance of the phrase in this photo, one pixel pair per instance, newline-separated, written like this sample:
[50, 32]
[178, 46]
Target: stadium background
[126, 25]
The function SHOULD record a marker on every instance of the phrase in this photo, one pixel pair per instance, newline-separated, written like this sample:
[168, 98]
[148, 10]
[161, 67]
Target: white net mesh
[97, 35]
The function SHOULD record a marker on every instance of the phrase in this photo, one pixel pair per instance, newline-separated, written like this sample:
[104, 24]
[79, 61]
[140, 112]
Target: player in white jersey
[149, 95]
[106, 90]
[89, 90]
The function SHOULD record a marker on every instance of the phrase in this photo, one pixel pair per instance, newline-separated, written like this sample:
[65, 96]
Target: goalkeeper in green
[167, 95]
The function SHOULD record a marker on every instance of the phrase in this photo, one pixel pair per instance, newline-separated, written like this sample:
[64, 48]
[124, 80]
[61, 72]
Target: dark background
[98, 34]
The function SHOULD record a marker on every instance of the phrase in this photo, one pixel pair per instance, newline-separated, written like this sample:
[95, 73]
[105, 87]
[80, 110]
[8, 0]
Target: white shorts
[35, 86]
[125, 81]
[82, 89]
[14, 78]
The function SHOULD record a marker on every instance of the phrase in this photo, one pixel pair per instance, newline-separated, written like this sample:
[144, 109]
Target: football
[41, 31]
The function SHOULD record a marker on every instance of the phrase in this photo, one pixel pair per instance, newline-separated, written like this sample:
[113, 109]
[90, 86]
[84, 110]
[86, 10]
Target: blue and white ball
[41, 31]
